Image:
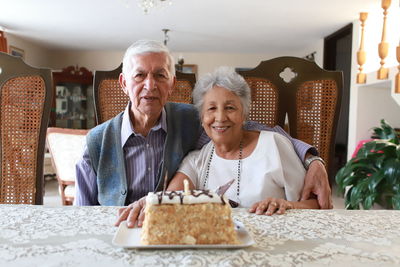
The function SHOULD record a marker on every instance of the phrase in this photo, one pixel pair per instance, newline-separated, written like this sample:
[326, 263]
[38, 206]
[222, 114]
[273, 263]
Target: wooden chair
[25, 96]
[184, 86]
[66, 148]
[309, 96]
[110, 99]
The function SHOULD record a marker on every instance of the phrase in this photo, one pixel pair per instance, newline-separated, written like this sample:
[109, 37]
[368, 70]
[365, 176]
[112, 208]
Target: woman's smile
[220, 129]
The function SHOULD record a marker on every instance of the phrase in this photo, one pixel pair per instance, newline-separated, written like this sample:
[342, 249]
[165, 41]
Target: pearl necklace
[233, 203]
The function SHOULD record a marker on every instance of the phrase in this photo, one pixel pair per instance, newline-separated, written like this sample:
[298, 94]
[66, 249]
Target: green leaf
[378, 132]
[396, 188]
[347, 200]
[355, 196]
[391, 170]
[386, 132]
[398, 152]
[396, 202]
[350, 180]
[368, 202]
[375, 179]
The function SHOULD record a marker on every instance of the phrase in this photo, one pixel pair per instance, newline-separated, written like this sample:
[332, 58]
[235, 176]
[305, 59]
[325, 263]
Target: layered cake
[191, 217]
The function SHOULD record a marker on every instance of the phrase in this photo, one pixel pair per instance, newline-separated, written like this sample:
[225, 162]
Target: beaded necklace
[238, 171]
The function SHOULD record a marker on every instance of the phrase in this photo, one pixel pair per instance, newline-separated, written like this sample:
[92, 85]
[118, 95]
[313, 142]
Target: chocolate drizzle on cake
[197, 193]
[181, 195]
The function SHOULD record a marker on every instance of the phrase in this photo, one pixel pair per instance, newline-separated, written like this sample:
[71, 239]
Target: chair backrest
[25, 96]
[183, 89]
[66, 148]
[110, 99]
[297, 88]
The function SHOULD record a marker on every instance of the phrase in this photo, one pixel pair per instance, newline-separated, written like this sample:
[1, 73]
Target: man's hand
[133, 213]
[316, 182]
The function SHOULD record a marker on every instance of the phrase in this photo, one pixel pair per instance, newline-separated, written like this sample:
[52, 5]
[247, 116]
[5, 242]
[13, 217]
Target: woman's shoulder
[200, 153]
[274, 137]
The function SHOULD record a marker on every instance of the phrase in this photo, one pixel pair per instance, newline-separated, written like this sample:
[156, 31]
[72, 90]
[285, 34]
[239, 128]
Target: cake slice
[191, 217]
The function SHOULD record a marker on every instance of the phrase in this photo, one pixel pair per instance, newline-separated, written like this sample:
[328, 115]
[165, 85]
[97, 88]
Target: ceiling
[237, 26]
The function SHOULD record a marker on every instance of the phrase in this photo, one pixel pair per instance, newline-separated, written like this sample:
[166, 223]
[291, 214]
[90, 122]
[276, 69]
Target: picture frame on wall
[242, 69]
[187, 68]
[15, 51]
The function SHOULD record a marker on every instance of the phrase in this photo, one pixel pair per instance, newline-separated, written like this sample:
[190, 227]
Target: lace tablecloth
[81, 236]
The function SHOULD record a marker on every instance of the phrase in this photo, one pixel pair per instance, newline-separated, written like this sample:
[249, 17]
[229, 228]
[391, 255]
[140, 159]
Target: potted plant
[373, 176]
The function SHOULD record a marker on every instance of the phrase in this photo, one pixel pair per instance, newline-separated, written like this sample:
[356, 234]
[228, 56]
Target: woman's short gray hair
[146, 46]
[227, 78]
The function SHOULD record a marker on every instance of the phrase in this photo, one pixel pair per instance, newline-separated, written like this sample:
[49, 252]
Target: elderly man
[131, 154]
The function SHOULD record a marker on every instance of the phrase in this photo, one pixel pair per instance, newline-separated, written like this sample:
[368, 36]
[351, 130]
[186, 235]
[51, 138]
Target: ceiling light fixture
[166, 37]
[147, 5]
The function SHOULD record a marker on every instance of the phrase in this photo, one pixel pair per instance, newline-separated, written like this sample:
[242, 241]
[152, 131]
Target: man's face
[148, 84]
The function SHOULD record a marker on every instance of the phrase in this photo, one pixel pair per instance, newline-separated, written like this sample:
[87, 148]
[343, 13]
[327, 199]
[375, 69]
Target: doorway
[337, 56]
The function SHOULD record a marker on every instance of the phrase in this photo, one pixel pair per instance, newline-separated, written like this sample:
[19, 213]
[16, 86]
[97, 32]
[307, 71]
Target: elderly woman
[268, 173]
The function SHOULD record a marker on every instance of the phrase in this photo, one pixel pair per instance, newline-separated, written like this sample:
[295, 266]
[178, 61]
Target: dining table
[83, 236]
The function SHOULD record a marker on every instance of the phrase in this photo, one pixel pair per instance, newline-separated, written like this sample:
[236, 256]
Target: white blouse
[272, 170]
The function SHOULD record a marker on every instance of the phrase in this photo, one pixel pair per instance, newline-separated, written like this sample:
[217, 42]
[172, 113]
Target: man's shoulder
[99, 130]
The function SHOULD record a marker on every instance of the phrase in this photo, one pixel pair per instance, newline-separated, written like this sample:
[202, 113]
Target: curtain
[3, 42]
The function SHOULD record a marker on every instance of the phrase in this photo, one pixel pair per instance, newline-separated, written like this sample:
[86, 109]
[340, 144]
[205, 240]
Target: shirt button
[147, 145]
[149, 169]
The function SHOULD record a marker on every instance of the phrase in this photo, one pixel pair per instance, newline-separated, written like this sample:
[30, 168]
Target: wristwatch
[309, 160]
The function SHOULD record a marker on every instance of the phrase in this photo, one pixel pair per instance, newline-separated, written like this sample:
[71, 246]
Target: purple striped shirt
[143, 156]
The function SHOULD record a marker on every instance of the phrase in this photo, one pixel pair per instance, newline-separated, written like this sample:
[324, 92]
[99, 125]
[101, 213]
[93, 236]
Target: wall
[35, 55]
[92, 60]
[206, 62]
[375, 103]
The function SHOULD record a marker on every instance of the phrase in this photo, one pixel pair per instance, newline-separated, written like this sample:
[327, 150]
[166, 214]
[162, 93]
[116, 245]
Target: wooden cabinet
[73, 99]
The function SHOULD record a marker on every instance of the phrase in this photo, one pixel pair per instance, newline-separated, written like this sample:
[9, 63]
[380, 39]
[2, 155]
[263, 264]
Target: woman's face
[222, 115]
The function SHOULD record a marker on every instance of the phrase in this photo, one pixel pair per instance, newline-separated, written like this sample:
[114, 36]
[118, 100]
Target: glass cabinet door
[73, 105]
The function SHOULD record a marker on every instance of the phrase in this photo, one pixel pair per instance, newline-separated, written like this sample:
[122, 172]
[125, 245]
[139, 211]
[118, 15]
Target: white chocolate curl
[186, 187]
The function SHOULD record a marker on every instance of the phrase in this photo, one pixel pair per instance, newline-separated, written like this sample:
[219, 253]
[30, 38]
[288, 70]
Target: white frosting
[210, 197]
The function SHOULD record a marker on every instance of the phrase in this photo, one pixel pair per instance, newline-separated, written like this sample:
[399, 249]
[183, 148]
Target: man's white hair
[146, 46]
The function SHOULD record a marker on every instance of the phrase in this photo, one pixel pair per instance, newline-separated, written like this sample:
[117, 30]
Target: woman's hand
[270, 206]
[133, 213]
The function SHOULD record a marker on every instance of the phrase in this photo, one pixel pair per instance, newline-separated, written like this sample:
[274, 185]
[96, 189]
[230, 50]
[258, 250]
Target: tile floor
[52, 197]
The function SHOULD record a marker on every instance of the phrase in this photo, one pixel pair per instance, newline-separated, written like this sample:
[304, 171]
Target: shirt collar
[127, 128]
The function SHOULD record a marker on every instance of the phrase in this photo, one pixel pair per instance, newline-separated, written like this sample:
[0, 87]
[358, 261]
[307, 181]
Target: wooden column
[3, 42]
[361, 55]
[383, 49]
